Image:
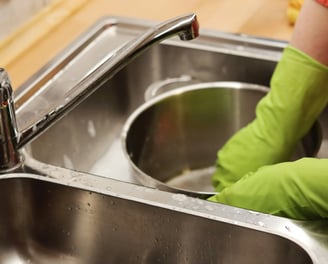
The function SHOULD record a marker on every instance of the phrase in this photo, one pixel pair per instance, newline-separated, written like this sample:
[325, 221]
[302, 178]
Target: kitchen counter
[32, 46]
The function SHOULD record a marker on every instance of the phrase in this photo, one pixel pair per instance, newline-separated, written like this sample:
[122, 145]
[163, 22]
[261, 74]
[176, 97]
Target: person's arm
[310, 34]
[298, 94]
[247, 174]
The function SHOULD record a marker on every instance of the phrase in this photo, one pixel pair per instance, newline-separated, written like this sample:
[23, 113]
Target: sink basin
[80, 219]
[86, 207]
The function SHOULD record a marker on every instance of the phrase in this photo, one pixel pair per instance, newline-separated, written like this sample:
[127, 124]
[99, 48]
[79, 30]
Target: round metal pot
[171, 141]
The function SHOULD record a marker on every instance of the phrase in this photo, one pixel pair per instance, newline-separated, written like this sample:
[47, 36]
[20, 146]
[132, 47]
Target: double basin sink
[77, 202]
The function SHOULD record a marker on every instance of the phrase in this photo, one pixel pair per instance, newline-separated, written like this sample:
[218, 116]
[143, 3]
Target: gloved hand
[299, 92]
[295, 190]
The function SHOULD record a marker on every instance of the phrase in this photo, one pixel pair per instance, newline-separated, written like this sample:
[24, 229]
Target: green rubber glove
[299, 92]
[295, 190]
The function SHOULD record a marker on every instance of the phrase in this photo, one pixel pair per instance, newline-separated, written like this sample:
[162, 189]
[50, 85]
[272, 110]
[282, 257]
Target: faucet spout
[186, 27]
[10, 158]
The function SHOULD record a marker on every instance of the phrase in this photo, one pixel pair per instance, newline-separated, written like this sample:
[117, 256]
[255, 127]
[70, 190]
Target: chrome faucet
[186, 27]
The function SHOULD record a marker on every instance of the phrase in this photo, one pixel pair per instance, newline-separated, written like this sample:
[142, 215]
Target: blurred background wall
[13, 13]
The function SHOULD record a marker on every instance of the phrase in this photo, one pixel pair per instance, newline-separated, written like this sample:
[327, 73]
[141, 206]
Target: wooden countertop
[39, 40]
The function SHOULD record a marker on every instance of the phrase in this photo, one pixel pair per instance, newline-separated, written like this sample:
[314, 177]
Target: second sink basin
[102, 221]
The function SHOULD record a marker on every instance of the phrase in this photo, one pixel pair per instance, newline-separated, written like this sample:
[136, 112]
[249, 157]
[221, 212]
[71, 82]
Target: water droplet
[179, 197]
[138, 188]
[91, 129]
[68, 162]
[254, 213]
[200, 201]
[209, 208]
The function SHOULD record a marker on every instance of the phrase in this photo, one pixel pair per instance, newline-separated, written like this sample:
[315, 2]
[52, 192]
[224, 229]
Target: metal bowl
[172, 140]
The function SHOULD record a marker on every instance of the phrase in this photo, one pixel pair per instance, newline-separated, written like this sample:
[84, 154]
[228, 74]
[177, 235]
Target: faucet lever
[10, 158]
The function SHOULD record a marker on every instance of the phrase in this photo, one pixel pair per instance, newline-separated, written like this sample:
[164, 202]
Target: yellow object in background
[294, 7]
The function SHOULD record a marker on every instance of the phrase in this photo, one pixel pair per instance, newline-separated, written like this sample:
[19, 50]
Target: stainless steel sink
[87, 208]
[83, 219]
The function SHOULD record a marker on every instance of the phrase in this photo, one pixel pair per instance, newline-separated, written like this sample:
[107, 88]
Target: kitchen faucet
[12, 139]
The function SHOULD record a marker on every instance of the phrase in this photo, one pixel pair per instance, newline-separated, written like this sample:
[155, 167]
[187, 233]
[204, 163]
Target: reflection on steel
[9, 156]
